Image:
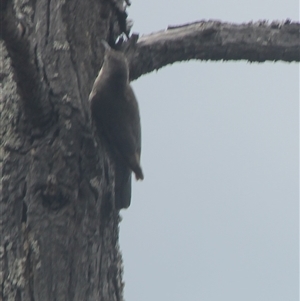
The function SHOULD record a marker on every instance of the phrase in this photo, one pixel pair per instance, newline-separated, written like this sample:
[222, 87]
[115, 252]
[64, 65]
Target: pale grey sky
[217, 216]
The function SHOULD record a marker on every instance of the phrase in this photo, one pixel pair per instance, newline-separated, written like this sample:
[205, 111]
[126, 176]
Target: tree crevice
[15, 33]
[47, 22]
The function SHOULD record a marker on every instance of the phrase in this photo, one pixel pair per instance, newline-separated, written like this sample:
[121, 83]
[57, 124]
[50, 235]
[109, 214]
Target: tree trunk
[59, 228]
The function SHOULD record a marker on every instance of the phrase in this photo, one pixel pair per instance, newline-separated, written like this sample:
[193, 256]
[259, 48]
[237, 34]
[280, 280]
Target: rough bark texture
[59, 230]
[214, 40]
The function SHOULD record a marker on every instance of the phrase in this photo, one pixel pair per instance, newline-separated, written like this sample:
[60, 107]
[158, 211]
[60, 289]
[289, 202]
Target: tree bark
[58, 224]
[59, 230]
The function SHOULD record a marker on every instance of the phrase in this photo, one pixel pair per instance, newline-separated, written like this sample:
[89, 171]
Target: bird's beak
[105, 44]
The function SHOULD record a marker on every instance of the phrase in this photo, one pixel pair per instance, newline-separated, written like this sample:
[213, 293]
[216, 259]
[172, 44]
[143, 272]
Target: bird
[115, 112]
